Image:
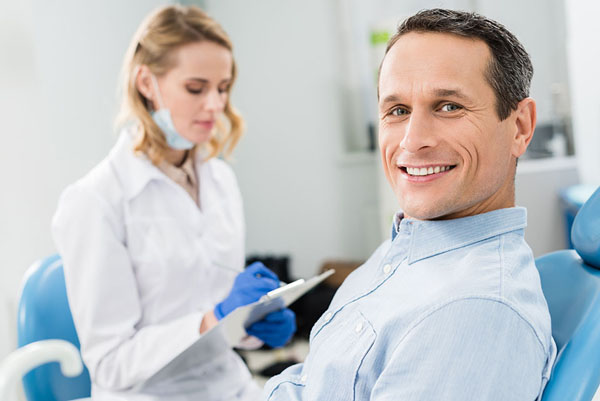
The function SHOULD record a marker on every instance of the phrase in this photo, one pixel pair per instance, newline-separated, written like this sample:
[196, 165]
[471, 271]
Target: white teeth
[426, 171]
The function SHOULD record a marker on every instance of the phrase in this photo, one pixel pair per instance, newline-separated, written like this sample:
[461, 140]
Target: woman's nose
[215, 101]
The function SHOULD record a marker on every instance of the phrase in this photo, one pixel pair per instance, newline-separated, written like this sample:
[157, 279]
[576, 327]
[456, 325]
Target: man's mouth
[425, 171]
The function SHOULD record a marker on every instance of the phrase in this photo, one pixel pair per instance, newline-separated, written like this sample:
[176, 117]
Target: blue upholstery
[572, 199]
[571, 285]
[44, 314]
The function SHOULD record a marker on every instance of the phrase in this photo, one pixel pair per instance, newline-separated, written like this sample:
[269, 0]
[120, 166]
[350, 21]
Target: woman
[152, 238]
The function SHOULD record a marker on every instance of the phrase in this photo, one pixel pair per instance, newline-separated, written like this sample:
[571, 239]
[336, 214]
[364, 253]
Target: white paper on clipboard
[229, 332]
[234, 325]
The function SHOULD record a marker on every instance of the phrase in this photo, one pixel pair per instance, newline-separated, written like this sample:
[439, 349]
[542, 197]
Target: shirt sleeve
[470, 349]
[103, 296]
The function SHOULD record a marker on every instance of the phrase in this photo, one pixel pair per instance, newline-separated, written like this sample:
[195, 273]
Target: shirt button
[387, 268]
[328, 316]
[358, 327]
[303, 379]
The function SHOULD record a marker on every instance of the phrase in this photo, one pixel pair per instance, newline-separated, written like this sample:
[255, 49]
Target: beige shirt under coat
[184, 175]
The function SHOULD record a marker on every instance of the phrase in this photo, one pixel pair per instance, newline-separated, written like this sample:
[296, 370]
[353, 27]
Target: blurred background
[307, 166]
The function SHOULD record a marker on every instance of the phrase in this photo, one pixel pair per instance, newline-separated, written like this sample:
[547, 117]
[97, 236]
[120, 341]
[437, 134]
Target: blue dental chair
[571, 285]
[44, 314]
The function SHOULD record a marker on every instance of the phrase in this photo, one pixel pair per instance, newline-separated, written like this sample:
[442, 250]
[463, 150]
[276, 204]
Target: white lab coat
[143, 264]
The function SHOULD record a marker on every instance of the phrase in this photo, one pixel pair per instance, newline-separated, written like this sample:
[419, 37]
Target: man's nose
[419, 132]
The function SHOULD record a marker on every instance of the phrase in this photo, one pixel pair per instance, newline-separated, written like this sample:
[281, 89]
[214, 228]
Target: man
[451, 308]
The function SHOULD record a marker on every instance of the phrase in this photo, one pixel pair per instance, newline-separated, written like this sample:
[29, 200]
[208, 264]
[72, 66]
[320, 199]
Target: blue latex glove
[248, 287]
[276, 328]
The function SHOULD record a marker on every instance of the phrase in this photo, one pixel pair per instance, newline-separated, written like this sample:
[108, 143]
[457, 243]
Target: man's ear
[143, 83]
[526, 117]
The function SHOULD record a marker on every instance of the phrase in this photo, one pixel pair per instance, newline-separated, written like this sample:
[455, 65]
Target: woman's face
[195, 90]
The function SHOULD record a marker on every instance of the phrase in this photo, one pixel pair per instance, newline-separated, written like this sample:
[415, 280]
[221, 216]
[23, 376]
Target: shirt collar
[431, 237]
[184, 175]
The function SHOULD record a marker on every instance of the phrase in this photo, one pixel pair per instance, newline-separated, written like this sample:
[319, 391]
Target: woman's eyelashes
[200, 90]
[195, 90]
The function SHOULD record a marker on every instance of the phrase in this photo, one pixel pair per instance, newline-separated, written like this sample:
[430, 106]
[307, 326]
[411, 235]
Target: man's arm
[470, 349]
[286, 386]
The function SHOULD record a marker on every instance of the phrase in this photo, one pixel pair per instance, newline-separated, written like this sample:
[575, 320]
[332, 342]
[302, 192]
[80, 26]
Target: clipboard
[231, 330]
[234, 324]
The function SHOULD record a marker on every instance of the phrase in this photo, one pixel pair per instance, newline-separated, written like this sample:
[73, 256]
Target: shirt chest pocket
[339, 345]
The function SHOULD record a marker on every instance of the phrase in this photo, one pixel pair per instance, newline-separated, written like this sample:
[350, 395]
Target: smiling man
[450, 308]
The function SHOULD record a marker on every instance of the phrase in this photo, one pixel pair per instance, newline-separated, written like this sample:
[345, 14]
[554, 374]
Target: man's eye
[399, 111]
[450, 107]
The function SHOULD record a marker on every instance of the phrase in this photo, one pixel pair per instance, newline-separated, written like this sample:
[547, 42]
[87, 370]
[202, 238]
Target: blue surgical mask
[162, 118]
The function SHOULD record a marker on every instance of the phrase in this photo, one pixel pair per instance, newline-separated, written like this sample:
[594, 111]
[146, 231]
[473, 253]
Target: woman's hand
[208, 322]
[276, 328]
[249, 286]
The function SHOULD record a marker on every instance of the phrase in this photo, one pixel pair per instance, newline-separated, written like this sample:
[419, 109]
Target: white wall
[302, 196]
[58, 76]
[538, 184]
[583, 44]
[17, 85]
[540, 25]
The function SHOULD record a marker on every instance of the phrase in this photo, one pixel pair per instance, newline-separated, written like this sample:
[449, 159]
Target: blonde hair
[163, 31]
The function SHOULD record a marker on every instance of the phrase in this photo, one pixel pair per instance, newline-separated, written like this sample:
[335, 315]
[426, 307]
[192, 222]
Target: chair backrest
[44, 314]
[571, 285]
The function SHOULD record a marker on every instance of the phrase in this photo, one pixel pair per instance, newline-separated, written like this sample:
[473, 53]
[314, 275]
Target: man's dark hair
[510, 70]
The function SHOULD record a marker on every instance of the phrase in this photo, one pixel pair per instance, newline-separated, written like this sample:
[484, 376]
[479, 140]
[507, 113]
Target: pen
[275, 293]
[219, 265]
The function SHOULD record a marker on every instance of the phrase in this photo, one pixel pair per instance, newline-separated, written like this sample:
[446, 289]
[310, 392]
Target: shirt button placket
[327, 316]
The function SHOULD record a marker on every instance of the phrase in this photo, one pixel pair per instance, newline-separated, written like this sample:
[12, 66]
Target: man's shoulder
[496, 274]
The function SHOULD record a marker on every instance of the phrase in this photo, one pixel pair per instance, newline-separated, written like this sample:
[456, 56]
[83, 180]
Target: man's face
[445, 152]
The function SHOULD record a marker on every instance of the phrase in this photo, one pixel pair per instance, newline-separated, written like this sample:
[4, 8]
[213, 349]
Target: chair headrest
[585, 233]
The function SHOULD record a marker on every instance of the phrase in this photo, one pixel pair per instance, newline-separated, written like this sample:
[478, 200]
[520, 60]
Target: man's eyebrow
[442, 92]
[390, 99]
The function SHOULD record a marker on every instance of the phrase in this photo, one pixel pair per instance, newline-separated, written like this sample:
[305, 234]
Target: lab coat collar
[135, 170]
[432, 237]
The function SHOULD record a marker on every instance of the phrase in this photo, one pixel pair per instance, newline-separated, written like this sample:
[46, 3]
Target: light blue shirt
[447, 310]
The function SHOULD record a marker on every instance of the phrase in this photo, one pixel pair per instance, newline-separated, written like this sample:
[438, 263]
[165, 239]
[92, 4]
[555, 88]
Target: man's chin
[425, 213]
